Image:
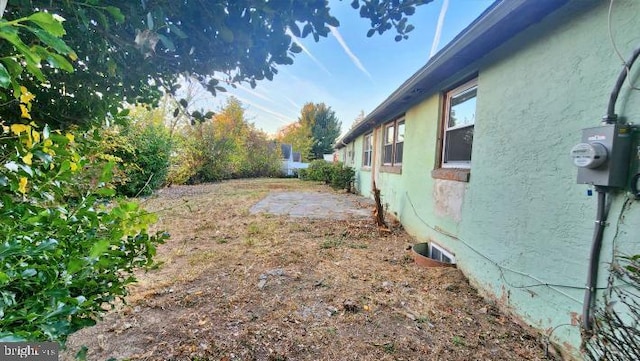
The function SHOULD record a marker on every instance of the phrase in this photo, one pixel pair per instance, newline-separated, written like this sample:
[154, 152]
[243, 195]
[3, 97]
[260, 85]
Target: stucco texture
[521, 227]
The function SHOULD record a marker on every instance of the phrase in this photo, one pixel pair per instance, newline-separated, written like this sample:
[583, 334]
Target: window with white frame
[352, 154]
[367, 150]
[387, 143]
[458, 123]
[440, 254]
[393, 143]
[397, 152]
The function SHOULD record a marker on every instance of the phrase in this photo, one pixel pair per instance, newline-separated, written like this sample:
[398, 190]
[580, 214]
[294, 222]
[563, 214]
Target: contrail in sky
[255, 93]
[306, 51]
[297, 106]
[278, 116]
[351, 55]
[436, 36]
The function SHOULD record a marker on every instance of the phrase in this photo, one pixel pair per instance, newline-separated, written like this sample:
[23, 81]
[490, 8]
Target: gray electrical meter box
[603, 156]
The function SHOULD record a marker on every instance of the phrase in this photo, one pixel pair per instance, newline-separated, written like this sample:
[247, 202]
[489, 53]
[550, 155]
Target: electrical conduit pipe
[594, 260]
[601, 217]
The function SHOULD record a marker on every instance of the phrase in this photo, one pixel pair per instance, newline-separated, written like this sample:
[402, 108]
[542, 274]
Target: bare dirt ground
[240, 286]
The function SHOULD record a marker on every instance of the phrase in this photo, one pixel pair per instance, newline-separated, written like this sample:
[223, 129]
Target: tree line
[69, 73]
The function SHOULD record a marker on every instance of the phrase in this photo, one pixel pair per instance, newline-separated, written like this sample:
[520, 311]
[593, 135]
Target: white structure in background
[291, 161]
[330, 157]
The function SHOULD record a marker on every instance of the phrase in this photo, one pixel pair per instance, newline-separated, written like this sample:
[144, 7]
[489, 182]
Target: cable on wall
[615, 47]
[611, 117]
[501, 268]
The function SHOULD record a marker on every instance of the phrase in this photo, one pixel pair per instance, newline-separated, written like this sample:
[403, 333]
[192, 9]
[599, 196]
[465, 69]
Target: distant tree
[314, 132]
[325, 130]
[231, 131]
[299, 136]
[262, 159]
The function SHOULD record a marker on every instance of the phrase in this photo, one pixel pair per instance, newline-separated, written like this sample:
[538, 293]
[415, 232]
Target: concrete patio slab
[317, 205]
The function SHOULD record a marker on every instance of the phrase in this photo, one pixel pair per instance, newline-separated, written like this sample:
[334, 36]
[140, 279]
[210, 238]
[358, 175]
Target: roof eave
[503, 20]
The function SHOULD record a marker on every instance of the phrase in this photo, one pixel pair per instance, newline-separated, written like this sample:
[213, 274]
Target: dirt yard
[240, 286]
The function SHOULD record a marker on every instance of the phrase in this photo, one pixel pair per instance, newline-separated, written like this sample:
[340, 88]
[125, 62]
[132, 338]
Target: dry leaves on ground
[238, 286]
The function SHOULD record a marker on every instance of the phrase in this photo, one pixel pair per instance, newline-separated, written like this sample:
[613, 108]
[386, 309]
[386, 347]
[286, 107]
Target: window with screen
[393, 143]
[458, 124]
[367, 149]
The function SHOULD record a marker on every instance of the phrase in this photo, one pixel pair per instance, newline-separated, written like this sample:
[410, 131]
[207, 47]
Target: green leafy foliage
[337, 175]
[388, 14]
[129, 50]
[342, 176]
[261, 158]
[67, 248]
[299, 136]
[225, 146]
[145, 158]
[319, 170]
[314, 133]
[32, 42]
[324, 131]
[186, 161]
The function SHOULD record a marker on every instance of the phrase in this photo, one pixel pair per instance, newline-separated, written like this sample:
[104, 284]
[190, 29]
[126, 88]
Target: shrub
[337, 175]
[67, 248]
[186, 160]
[205, 153]
[615, 333]
[342, 176]
[319, 170]
[259, 157]
[146, 159]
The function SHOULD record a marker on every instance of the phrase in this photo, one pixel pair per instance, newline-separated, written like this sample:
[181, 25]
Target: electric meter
[603, 155]
[589, 155]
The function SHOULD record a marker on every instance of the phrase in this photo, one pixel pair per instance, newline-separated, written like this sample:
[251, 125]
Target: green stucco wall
[414, 196]
[523, 207]
[522, 221]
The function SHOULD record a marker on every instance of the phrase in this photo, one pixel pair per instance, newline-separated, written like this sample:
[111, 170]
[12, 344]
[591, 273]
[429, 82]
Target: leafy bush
[145, 159]
[224, 147]
[319, 170]
[260, 158]
[337, 175]
[342, 176]
[67, 248]
[186, 160]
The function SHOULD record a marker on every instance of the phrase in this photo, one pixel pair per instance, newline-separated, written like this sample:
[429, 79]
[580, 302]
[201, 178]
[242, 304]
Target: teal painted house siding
[524, 208]
[521, 228]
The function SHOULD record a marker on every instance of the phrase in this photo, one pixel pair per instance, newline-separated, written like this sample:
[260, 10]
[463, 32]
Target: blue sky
[348, 71]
